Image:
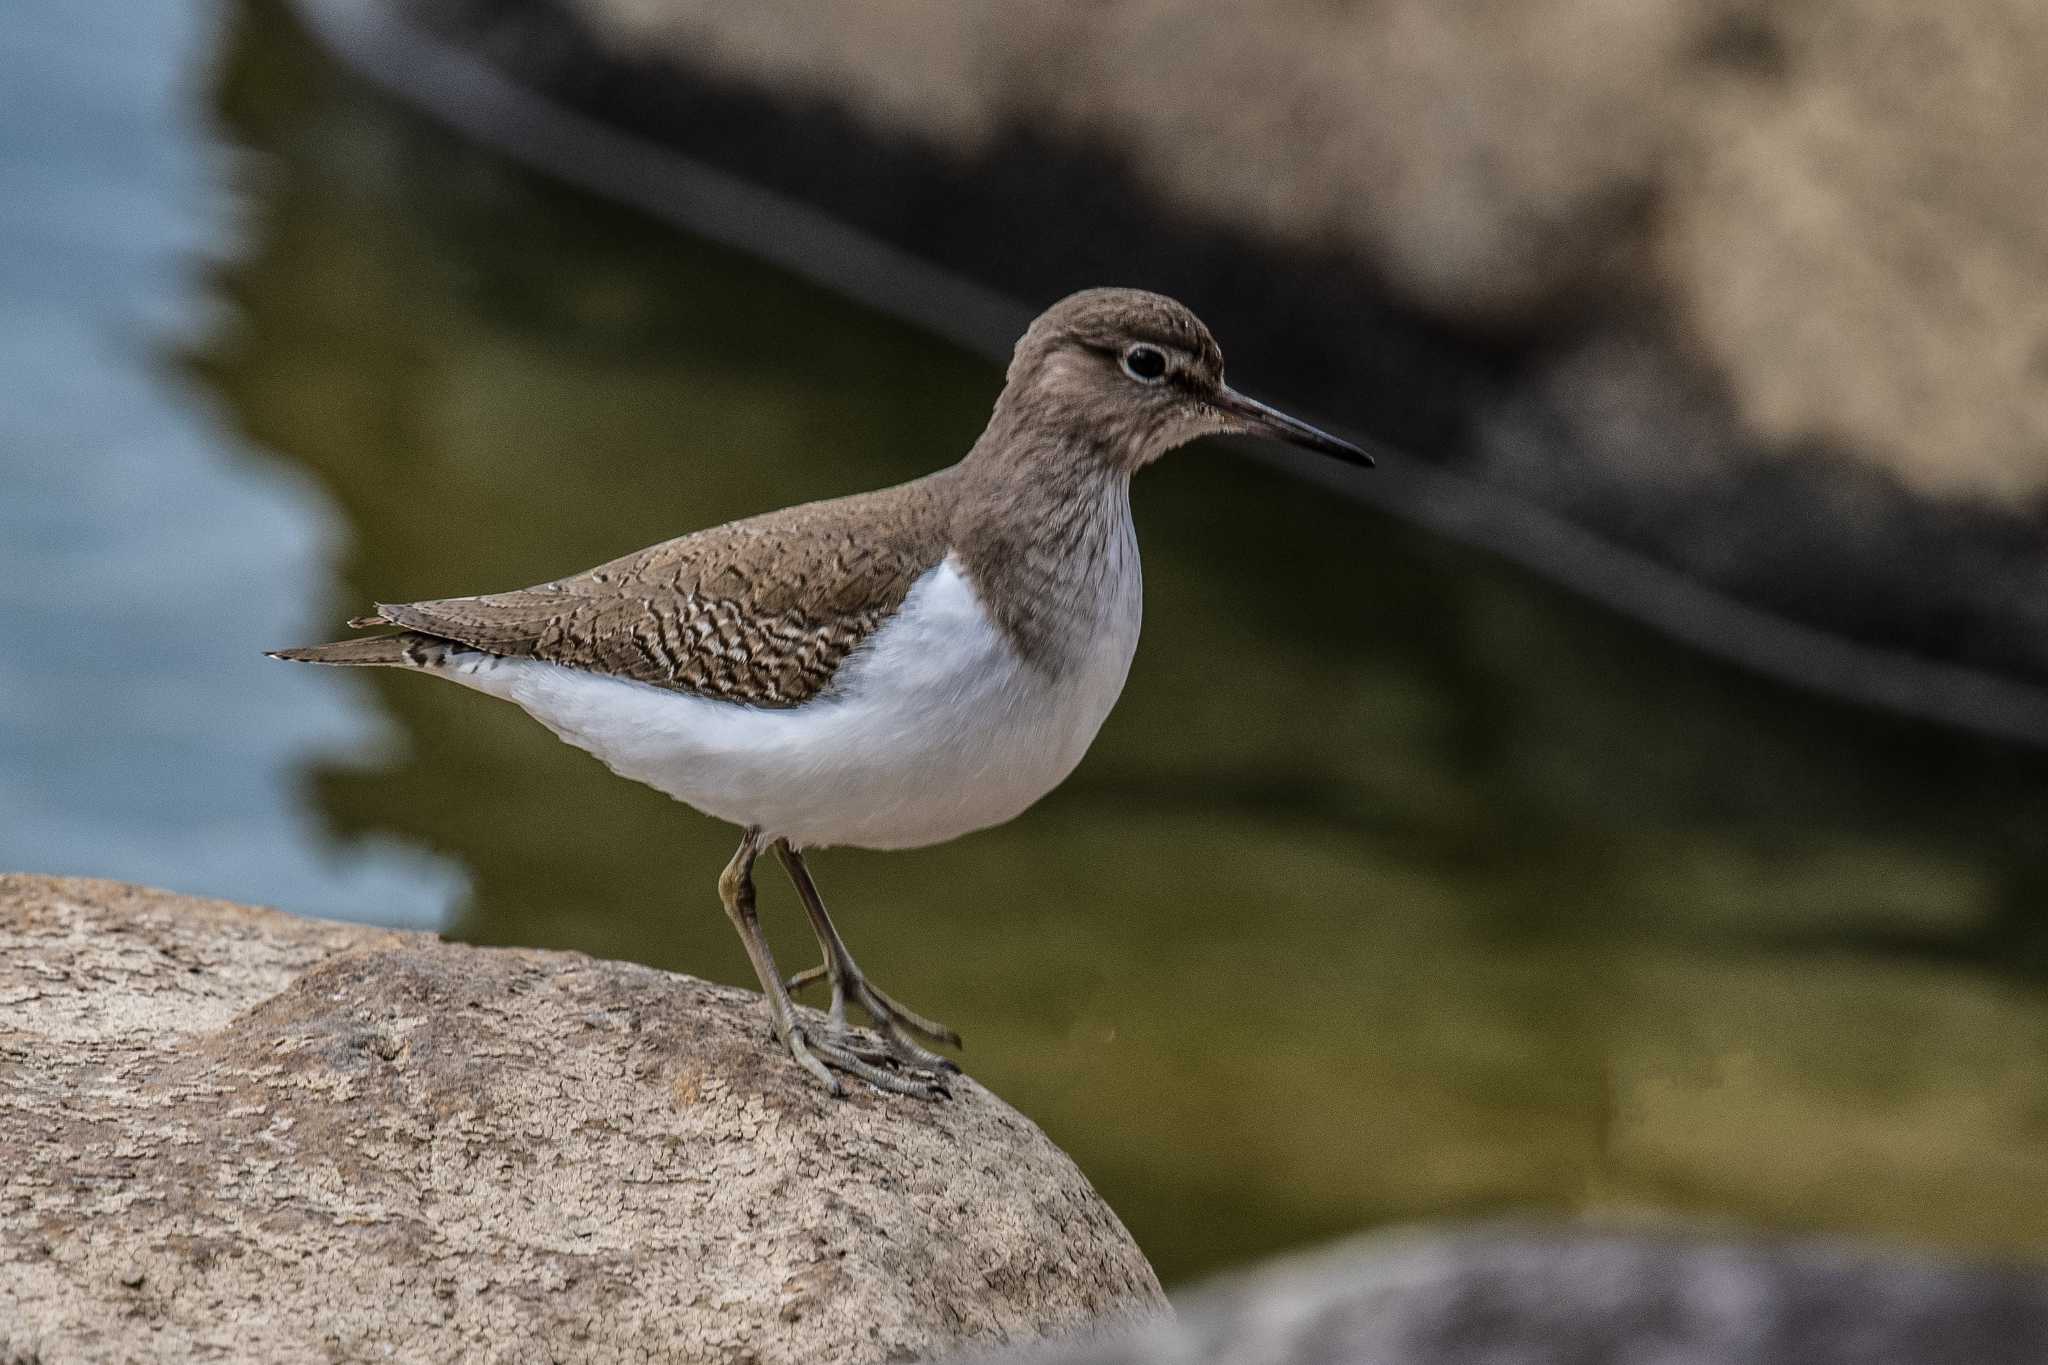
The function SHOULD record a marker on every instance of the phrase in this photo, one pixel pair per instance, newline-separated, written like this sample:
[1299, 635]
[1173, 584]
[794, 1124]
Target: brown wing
[761, 611]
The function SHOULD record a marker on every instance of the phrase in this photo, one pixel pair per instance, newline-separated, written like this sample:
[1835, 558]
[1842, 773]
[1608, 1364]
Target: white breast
[937, 728]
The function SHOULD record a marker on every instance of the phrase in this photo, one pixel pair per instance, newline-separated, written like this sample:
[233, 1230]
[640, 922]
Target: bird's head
[1136, 374]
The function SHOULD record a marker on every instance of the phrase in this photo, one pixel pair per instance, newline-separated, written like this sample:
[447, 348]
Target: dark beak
[1260, 420]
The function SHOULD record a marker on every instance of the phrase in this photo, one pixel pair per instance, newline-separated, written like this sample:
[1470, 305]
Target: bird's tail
[404, 650]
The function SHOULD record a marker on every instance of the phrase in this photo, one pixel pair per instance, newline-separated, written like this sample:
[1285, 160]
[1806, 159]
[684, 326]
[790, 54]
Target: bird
[887, 670]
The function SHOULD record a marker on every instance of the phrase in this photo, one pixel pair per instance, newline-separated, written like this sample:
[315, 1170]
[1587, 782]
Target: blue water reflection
[144, 561]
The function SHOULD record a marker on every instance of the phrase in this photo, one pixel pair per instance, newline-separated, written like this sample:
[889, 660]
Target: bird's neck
[1043, 528]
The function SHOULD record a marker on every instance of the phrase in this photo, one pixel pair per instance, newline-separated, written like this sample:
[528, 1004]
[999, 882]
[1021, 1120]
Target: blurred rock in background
[1552, 1296]
[1758, 290]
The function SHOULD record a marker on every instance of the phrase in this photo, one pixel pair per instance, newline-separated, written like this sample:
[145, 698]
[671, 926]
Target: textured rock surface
[235, 1134]
[1507, 1296]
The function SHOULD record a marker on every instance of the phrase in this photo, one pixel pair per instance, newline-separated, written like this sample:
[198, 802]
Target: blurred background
[1411, 879]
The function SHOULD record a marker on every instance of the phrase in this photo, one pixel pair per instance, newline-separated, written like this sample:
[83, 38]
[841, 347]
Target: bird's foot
[844, 1050]
[895, 1022]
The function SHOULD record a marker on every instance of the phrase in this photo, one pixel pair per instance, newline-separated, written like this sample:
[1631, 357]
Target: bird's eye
[1146, 364]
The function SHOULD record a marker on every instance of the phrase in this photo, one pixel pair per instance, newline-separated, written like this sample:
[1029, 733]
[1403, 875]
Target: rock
[1756, 292]
[1837, 199]
[1840, 198]
[1531, 1296]
[234, 1133]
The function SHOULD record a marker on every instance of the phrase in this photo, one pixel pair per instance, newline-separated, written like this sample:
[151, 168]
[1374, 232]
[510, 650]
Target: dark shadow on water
[1397, 886]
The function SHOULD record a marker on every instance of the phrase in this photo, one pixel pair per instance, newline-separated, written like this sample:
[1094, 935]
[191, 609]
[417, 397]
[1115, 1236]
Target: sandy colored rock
[1838, 200]
[234, 1134]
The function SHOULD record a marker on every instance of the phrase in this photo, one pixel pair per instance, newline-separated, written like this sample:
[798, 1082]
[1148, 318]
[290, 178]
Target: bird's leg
[827, 971]
[896, 1022]
[736, 890]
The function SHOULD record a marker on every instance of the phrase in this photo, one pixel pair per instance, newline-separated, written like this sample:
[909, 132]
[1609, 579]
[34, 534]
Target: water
[1397, 887]
[145, 556]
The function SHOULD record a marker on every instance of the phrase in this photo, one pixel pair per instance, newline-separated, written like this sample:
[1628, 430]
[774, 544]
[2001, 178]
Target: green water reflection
[1398, 886]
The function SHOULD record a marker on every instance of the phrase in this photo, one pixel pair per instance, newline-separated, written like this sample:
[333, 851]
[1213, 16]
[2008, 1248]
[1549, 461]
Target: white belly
[937, 727]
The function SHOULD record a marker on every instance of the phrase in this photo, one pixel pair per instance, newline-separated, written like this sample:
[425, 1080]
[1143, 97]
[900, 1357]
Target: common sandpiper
[887, 670]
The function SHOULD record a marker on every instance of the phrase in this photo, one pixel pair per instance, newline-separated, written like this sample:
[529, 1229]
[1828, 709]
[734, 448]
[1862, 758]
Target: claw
[903, 1047]
[894, 1020]
[847, 1052]
[871, 997]
[847, 1040]
[850, 1062]
[799, 1048]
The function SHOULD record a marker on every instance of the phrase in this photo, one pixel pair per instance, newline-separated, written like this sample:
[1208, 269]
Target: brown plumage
[761, 611]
